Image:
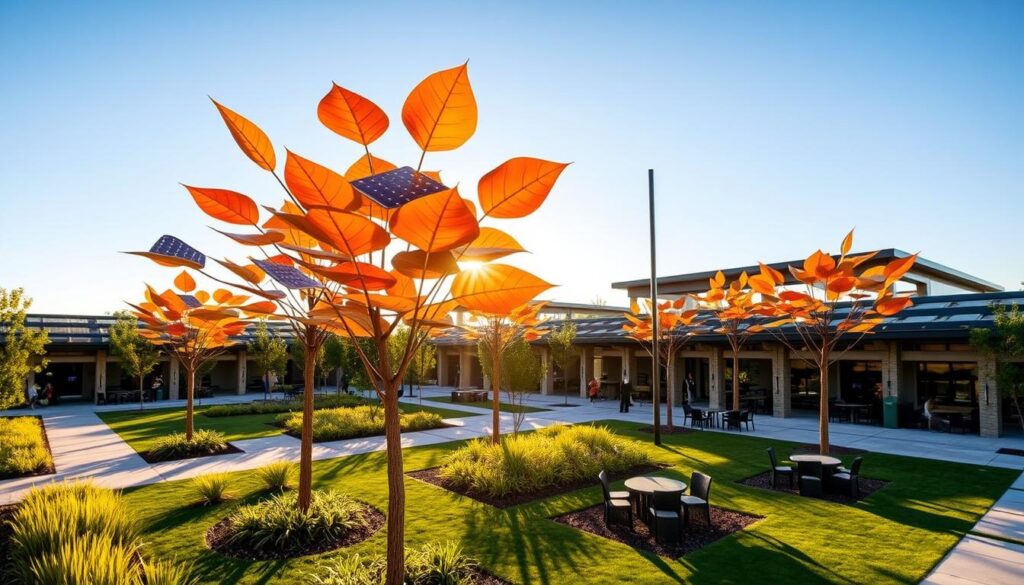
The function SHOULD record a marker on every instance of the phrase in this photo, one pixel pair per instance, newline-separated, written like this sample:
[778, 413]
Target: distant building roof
[930, 277]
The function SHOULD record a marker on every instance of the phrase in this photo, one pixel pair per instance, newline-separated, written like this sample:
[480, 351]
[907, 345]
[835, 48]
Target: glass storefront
[947, 382]
[860, 382]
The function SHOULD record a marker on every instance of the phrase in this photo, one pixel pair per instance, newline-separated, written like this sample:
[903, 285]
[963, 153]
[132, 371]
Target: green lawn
[141, 429]
[894, 536]
[505, 407]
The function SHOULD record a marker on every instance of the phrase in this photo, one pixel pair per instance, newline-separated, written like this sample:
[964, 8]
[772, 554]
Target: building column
[465, 368]
[442, 367]
[671, 389]
[240, 375]
[174, 384]
[891, 372]
[627, 364]
[586, 368]
[782, 389]
[548, 382]
[100, 379]
[716, 370]
[990, 406]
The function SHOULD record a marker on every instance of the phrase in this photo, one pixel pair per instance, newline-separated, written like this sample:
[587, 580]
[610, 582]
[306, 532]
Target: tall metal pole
[655, 352]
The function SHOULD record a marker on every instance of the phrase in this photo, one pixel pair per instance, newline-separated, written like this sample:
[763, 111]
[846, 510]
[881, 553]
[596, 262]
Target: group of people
[626, 390]
[43, 397]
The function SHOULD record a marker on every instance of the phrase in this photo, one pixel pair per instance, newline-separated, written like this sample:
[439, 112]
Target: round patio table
[642, 487]
[825, 460]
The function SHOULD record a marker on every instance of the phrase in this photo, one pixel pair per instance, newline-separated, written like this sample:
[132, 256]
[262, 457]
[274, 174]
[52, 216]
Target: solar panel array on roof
[287, 276]
[397, 187]
[172, 247]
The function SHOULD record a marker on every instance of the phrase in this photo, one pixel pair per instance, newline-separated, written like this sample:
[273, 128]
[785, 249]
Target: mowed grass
[894, 536]
[141, 429]
[504, 407]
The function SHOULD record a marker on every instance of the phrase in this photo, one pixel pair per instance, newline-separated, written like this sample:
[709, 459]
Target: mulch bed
[868, 486]
[665, 430]
[380, 434]
[433, 476]
[217, 535]
[481, 577]
[228, 448]
[44, 469]
[694, 537]
[815, 449]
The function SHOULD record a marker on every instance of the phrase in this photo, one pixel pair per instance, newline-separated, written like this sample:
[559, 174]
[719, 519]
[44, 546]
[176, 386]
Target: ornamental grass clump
[277, 524]
[431, 564]
[551, 456]
[176, 446]
[168, 573]
[279, 406]
[334, 424]
[276, 476]
[212, 488]
[22, 448]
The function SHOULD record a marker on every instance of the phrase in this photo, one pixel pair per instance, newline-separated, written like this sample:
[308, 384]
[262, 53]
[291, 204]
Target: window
[947, 382]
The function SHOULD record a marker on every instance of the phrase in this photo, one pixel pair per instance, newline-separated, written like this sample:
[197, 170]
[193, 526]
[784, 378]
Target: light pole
[655, 353]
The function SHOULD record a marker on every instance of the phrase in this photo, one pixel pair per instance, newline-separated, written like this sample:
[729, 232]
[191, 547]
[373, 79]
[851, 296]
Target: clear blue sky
[773, 127]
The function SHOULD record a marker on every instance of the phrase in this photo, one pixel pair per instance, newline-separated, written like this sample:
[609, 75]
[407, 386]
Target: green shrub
[277, 524]
[432, 564]
[551, 456]
[279, 406]
[59, 523]
[168, 573]
[361, 421]
[212, 488]
[176, 446]
[22, 448]
[276, 476]
[88, 560]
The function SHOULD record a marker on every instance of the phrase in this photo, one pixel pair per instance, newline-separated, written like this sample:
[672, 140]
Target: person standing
[625, 394]
[689, 386]
[593, 388]
[344, 382]
[33, 395]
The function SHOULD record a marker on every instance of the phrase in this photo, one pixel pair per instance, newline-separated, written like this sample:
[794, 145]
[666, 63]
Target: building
[919, 354]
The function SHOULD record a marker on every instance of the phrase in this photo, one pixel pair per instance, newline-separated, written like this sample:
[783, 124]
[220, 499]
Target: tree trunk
[337, 381]
[823, 406]
[670, 392]
[395, 574]
[190, 390]
[495, 396]
[736, 379]
[306, 448]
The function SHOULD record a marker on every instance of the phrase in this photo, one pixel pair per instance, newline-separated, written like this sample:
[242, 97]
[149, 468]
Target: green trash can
[890, 412]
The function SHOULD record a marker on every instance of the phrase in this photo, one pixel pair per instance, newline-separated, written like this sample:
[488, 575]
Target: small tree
[336, 355]
[676, 325]
[424, 362]
[270, 352]
[563, 352]
[21, 345]
[734, 307]
[138, 355]
[1004, 342]
[836, 303]
[522, 373]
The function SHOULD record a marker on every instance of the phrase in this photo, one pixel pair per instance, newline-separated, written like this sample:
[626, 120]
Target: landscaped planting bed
[535, 465]
[175, 446]
[276, 529]
[867, 487]
[430, 564]
[335, 424]
[24, 450]
[279, 406]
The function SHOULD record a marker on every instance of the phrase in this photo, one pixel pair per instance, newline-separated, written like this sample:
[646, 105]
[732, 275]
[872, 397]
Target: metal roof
[936, 317]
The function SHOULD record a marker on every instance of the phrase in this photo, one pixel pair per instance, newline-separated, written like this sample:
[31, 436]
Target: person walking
[625, 394]
[593, 388]
[689, 386]
[344, 382]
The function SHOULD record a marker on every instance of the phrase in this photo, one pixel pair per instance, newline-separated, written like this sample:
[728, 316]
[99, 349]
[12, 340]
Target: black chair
[847, 481]
[835, 412]
[687, 412]
[615, 507]
[958, 424]
[615, 495]
[747, 419]
[699, 418]
[778, 470]
[664, 513]
[732, 419]
[699, 498]
[810, 478]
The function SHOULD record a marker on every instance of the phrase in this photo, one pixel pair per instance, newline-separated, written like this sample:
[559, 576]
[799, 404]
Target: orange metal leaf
[419, 264]
[315, 185]
[349, 233]
[352, 116]
[888, 306]
[264, 239]
[184, 282]
[517, 187]
[436, 223]
[360, 275]
[440, 113]
[496, 289]
[253, 141]
[368, 165]
[491, 244]
[844, 249]
[227, 206]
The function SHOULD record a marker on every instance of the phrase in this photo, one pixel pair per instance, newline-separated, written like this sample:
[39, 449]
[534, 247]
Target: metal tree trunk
[495, 394]
[190, 390]
[735, 379]
[306, 448]
[395, 574]
[823, 406]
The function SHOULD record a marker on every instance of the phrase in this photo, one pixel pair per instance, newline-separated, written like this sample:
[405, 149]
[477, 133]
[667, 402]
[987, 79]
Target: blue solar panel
[397, 187]
[174, 248]
[287, 276]
[190, 301]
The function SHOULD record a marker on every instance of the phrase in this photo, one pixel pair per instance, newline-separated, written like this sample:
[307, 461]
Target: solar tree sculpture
[734, 307]
[194, 328]
[379, 246]
[494, 337]
[676, 326]
[839, 303]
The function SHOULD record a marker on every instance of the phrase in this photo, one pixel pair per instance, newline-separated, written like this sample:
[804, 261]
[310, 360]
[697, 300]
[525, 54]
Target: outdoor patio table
[854, 409]
[828, 465]
[716, 415]
[643, 486]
